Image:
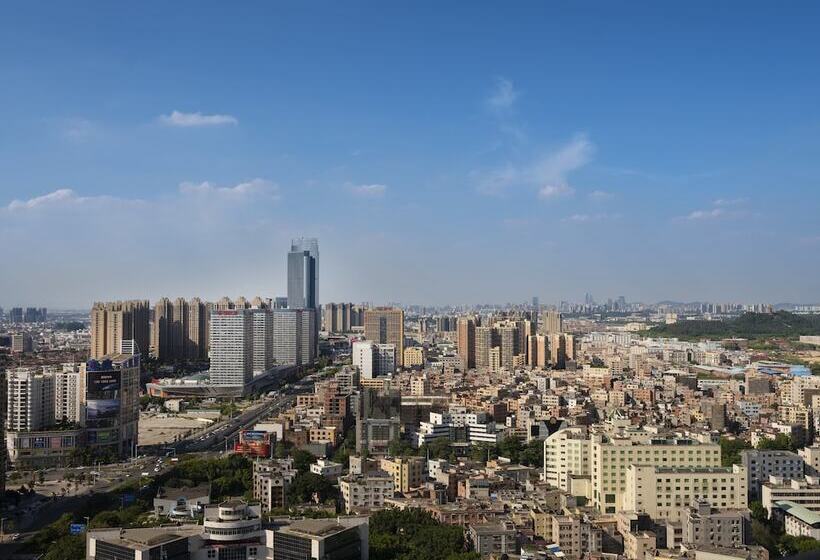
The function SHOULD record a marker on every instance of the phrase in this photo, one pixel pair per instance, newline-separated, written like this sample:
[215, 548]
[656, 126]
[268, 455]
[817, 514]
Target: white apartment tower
[231, 347]
[30, 404]
[67, 394]
[262, 339]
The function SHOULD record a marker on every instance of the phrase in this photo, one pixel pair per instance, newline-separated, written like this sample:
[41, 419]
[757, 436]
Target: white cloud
[369, 191]
[548, 173]
[587, 218]
[60, 195]
[555, 191]
[580, 218]
[178, 118]
[730, 201]
[711, 214]
[62, 199]
[722, 209]
[600, 196]
[504, 94]
[250, 188]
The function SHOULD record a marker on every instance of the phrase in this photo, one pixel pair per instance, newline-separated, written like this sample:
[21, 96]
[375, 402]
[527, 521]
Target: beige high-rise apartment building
[561, 348]
[113, 322]
[162, 332]
[509, 337]
[483, 344]
[466, 341]
[198, 325]
[551, 323]
[385, 325]
[537, 351]
[180, 330]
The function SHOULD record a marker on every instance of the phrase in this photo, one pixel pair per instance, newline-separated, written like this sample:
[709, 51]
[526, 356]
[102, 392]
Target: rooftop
[800, 512]
[315, 527]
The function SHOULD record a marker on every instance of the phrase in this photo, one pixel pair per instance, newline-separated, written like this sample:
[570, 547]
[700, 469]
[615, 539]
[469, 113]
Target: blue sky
[443, 152]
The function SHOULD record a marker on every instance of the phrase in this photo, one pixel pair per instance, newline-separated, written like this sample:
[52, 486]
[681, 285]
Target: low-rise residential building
[327, 469]
[271, 479]
[493, 539]
[575, 535]
[407, 472]
[705, 525]
[367, 491]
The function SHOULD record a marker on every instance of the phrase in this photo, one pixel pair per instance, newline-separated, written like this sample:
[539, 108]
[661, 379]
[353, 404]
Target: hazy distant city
[410, 281]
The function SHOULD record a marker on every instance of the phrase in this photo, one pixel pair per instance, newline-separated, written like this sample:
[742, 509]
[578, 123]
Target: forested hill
[748, 325]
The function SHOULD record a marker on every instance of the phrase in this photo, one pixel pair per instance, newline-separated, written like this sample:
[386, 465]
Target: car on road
[145, 474]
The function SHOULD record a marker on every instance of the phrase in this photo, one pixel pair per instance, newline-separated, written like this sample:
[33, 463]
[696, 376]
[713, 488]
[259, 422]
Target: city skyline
[552, 155]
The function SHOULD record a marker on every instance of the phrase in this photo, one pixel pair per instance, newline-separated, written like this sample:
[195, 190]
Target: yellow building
[407, 472]
[611, 457]
[667, 492]
[414, 357]
[385, 325]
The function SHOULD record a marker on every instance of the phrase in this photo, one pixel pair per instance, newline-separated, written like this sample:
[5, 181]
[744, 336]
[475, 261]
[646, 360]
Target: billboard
[254, 443]
[102, 397]
[250, 436]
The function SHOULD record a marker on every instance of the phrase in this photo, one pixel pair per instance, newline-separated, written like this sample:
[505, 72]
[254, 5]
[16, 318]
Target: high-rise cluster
[113, 322]
[341, 317]
[180, 330]
[513, 342]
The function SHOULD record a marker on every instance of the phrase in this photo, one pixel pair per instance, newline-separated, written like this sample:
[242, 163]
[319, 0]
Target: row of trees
[513, 448]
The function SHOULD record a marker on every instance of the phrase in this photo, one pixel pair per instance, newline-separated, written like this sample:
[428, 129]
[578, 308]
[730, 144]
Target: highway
[44, 509]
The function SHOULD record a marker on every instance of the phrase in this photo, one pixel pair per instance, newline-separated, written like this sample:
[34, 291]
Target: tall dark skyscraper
[303, 281]
[303, 274]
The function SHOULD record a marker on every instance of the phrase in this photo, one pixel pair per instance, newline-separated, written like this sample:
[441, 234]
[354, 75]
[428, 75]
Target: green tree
[510, 447]
[533, 454]
[415, 535]
[70, 547]
[780, 442]
[730, 449]
[759, 512]
[302, 460]
[401, 448]
[309, 486]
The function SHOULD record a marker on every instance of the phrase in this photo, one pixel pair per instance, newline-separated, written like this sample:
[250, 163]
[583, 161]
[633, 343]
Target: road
[219, 436]
[46, 509]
